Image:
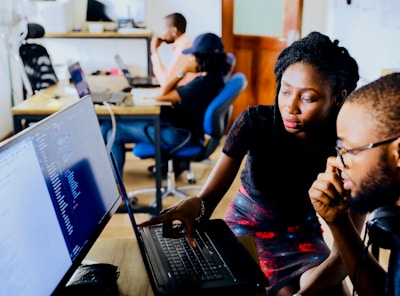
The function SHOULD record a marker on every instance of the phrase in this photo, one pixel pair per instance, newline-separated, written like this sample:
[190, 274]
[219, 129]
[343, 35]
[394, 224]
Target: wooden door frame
[292, 20]
[256, 55]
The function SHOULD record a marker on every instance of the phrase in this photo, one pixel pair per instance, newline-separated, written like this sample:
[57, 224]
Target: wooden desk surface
[125, 254]
[63, 94]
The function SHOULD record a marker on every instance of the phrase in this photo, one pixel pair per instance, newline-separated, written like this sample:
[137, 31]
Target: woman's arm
[167, 91]
[186, 211]
[218, 182]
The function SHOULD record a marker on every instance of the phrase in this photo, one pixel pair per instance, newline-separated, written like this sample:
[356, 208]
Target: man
[364, 177]
[174, 32]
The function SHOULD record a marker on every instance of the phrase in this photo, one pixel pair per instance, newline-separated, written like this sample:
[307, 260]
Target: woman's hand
[185, 211]
[327, 194]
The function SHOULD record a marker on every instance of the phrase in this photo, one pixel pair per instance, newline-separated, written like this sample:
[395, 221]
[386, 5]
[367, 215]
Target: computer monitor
[116, 10]
[57, 192]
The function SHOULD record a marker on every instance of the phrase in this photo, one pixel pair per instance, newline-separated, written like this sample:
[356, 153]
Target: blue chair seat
[147, 150]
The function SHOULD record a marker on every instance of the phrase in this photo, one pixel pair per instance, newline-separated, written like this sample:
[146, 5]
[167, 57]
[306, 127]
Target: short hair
[178, 21]
[380, 99]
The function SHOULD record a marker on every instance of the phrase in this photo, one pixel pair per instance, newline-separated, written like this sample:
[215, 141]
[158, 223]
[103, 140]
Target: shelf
[106, 34]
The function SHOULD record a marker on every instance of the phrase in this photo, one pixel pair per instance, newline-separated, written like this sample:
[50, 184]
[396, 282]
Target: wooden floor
[136, 176]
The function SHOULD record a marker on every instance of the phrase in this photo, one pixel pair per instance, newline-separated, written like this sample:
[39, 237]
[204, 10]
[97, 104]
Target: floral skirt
[285, 251]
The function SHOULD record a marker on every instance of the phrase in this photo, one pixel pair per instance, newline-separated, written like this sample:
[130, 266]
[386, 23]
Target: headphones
[383, 227]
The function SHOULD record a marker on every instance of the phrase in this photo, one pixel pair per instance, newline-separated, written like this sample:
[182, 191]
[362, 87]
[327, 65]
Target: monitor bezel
[107, 216]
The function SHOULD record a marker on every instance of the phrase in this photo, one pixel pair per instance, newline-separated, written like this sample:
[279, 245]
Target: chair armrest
[174, 149]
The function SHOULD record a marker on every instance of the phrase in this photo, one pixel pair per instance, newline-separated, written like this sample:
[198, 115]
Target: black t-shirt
[278, 173]
[195, 98]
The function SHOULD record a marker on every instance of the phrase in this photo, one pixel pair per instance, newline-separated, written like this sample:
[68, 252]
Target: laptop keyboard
[190, 264]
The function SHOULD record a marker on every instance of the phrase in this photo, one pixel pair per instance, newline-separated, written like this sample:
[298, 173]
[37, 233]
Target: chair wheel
[192, 181]
[133, 200]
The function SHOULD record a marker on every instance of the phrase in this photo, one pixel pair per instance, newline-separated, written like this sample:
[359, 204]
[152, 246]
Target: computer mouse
[127, 89]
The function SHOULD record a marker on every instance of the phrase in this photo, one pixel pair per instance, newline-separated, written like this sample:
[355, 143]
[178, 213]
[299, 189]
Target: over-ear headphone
[383, 227]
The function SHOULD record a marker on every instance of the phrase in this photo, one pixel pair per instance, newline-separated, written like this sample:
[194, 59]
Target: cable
[110, 140]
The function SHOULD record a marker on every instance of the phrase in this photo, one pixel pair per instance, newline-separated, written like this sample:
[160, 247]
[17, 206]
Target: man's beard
[379, 188]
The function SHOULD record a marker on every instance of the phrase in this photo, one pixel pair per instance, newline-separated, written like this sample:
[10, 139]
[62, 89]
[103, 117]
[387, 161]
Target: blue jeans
[133, 131]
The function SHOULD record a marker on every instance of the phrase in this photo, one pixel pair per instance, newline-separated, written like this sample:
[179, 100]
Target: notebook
[134, 82]
[220, 264]
[82, 87]
[57, 192]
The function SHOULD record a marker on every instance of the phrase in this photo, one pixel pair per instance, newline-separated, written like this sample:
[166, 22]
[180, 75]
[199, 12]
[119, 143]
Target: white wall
[371, 31]
[5, 86]
[98, 54]
[10, 84]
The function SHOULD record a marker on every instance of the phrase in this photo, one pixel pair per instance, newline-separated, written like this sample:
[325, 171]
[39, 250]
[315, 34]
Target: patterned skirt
[285, 251]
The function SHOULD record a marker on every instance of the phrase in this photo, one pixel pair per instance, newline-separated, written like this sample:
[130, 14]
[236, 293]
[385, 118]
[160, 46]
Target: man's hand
[155, 43]
[327, 194]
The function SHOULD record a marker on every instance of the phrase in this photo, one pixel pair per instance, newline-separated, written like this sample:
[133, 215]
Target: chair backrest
[36, 60]
[218, 113]
[232, 61]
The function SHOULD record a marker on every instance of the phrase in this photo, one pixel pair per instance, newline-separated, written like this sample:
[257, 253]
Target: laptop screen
[78, 79]
[57, 192]
[123, 68]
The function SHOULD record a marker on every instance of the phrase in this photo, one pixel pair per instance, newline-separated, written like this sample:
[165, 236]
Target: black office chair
[36, 60]
[216, 120]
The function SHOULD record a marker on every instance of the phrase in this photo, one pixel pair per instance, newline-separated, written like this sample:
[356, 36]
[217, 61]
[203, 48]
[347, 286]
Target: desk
[141, 34]
[44, 103]
[125, 253]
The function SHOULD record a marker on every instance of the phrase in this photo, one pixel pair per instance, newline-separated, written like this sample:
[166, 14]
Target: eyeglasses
[342, 151]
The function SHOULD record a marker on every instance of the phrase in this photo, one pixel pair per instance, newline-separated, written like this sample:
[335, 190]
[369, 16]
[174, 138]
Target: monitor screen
[57, 192]
[114, 10]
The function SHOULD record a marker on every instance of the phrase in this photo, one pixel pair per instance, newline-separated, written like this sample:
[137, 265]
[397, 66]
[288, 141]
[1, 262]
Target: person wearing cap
[174, 33]
[189, 102]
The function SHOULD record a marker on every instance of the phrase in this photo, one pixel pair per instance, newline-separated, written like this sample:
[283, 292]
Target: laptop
[82, 87]
[219, 264]
[57, 192]
[141, 82]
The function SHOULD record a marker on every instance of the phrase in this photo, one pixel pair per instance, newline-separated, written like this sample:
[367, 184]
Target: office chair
[216, 120]
[36, 60]
[232, 61]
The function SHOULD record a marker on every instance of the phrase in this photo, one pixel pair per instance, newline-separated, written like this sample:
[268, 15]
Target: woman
[189, 101]
[286, 146]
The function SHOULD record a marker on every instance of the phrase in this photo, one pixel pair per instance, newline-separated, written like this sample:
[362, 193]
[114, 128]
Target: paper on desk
[145, 96]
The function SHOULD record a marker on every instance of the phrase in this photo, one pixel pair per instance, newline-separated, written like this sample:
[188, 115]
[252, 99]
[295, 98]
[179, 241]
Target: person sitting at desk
[174, 33]
[189, 101]
[285, 147]
[369, 181]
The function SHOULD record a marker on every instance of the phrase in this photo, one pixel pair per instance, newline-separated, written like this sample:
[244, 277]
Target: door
[257, 45]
